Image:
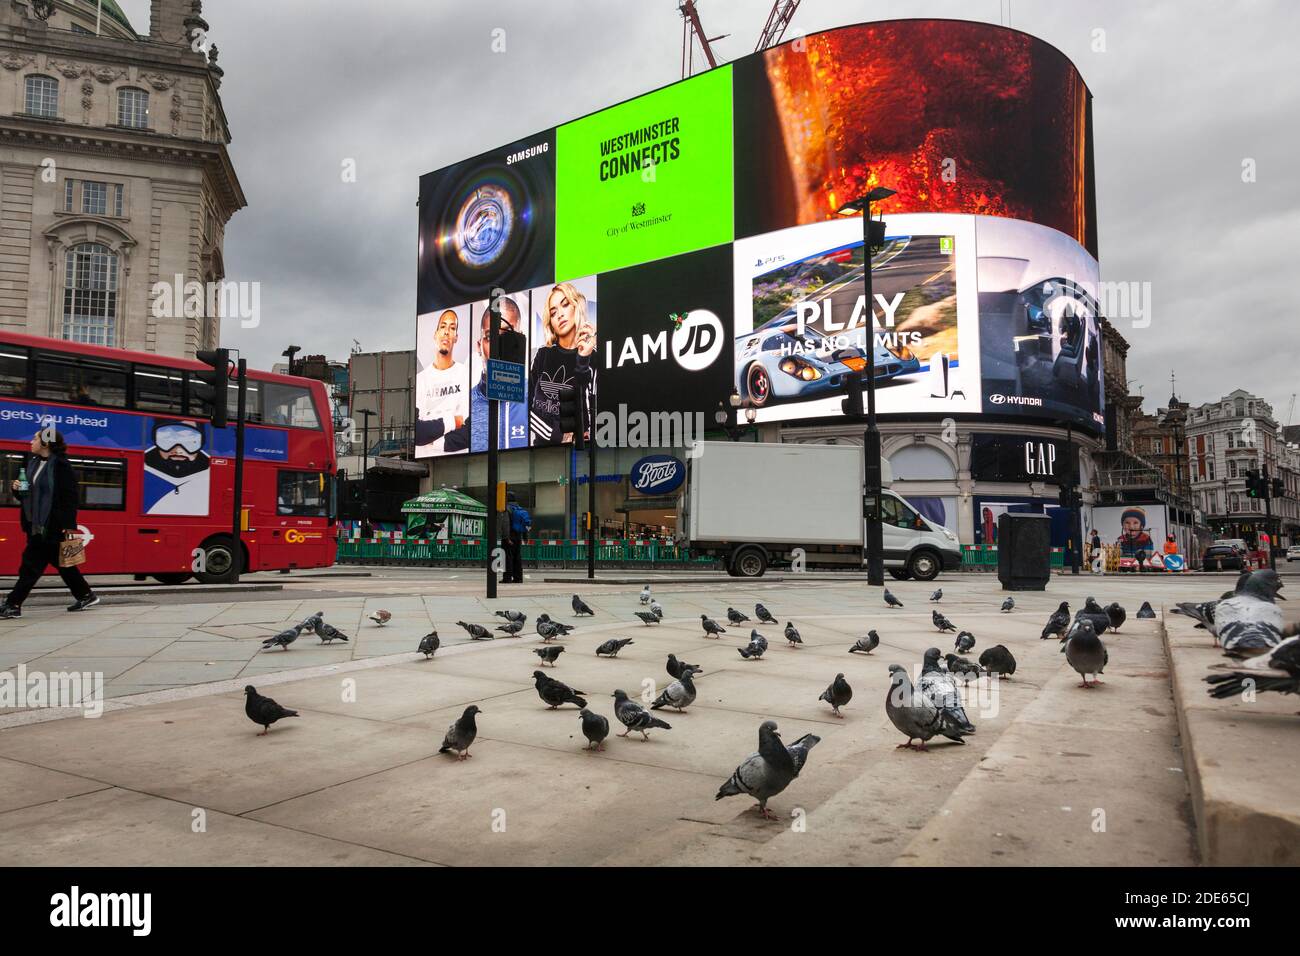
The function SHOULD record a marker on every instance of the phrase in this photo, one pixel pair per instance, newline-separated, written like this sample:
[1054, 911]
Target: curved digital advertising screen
[701, 218]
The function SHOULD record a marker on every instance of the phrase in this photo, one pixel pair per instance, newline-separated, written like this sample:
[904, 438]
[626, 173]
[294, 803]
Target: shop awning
[445, 501]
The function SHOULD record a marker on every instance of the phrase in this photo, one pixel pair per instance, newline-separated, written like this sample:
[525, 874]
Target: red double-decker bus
[156, 479]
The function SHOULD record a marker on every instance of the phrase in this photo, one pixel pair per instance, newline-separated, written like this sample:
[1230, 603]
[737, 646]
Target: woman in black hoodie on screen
[562, 367]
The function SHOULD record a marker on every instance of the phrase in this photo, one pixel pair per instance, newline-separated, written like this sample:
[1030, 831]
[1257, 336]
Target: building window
[1232, 468]
[42, 96]
[133, 108]
[94, 198]
[1157, 445]
[1210, 468]
[90, 295]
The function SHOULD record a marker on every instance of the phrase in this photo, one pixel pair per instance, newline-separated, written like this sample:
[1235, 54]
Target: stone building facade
[114, 174]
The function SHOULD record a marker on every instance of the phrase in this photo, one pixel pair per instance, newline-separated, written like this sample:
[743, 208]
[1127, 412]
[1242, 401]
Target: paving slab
[26, 785]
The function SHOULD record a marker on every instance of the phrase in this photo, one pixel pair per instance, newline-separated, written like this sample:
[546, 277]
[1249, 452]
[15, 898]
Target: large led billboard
[701, 218]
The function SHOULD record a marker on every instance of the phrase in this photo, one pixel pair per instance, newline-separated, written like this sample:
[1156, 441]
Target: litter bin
[1024, 551]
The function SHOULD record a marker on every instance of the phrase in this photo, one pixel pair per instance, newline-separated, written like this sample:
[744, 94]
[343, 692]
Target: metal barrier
[537, 552]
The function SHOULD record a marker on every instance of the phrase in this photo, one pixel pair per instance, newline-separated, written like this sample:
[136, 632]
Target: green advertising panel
[647, 179]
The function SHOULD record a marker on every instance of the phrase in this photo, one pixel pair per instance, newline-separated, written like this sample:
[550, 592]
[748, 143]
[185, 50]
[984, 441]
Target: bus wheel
[218, 561]
[172, 578]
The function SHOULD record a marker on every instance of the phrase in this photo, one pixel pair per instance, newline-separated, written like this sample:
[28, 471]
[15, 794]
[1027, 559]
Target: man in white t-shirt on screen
[442, 393]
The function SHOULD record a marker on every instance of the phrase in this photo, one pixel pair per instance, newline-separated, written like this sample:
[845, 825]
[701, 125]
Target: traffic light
[1256, 484]
[217, 379]
[1279, 488]
[852, 403]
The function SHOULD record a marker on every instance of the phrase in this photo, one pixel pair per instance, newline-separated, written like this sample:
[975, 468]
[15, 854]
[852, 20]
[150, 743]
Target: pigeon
[310, 623]
[757, 646]
[937, 595]
[939, 686]
[514, 617]
[1145, 612]
[1008, 604]
[476, 631]
[1277, 672]
[1202, 613]
[1085, 651]
[648, 617]
[595, 728]
[511, 627]
[736, 617]
[328, 633]
[635, 717]
[580, 608]
[912, 712]
[1058, 623]
[549, 653]
[866, 644]
[645, 594]
[1115, 614]
[792, 634]
[764, 615]
[429, 644]
[263, 710]
[892, 601]
[676, 667]
[611, 647]
[563, 630]
[941, 622]
[961, 668]
[965, 642]
[461, 734]
[799, 750]
[554, 693]
[765, 774]
[838, 694]
[711, 627]
[381, 617]
[548, 630]
[1096, 614]
[680, 693]
[283, 639]
[657, 609]
[998, 660]
[1250, 623]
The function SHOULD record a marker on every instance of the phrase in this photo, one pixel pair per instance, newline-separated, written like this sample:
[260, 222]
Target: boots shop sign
[1018, 458]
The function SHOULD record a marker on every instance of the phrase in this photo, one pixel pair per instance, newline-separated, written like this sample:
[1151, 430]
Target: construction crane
[778, 19]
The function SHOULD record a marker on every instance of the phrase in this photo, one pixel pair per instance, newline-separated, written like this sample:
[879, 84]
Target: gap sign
[505, 381]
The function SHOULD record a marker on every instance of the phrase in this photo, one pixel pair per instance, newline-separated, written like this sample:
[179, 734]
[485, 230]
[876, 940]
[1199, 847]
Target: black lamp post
[365, 465]
[873, 234]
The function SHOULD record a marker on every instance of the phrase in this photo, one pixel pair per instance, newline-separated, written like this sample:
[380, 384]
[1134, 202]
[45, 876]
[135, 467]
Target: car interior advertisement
[801, 318]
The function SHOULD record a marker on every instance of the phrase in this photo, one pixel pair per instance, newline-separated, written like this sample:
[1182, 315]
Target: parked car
[1293, 553]
[1223, 557]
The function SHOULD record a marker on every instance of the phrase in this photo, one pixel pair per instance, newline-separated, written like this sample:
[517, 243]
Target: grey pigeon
[514, 617]
[580, 608]
[635, 717]
[1095, 614]
[961, 668]
[429, 644]
[461, 734]
[549, 653]
[549, 630]
[676, 667]
[711, 627]
[1116, 614]
[937, 595]
[998, 660]
[1008, 604]
[765, 774]
[679, 694]
[560, 628]
[328, 632]
[757, 647]
[309, 624]
[263, 710]
[1250, 623]
[611, 647]
[838, 694]
[283, 639]
[736, 617]
[476, 631]
[1145, 612]
[645, 594]
[912, 712]
[554, 693]
[648, 617]
[941, 622]
[792, 634]
[657, 609]
[941, 689]
[511, 627]
[799, 750]
[965, 642]
[1277, 671]
[1085, 651]
[1058, 623]
[866, 644]
[381, 617]
[763, 614]
[892, 601]
[1201, 612]
[595, 728]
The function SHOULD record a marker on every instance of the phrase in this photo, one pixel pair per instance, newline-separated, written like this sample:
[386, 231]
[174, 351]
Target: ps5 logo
[696, 343]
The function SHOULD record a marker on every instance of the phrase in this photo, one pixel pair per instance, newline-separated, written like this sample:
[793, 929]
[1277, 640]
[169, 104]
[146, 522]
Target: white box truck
[754, 505]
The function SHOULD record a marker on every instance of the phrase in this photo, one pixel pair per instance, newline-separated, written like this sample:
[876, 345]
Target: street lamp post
[873, 233]
[365, 464]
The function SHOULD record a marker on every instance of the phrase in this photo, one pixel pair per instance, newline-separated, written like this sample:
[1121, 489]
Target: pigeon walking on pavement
[676, 667]
[645, 594]
[460, 735]
[962, 668]
[838, 694]
[792, 634]
[941, 622]
[648, 617]
[736, 617]
[476, 632]
[763, 614]
[283, 639]
[965, 642]
[998, 660]
[514, 617]
[381, 617]
[1058, 623]
[1008, 604]
[309, 624]
[611, 647]
[1250, 623]
[548, 653]
[1095, 614]
[328, 633]
[866, 644]
[757, 647]
[263, 710]
[595, 727]
[580, 608]
[1115, 615]
[679, 694]
[892, 601]
[937, 596]
[765, 774]
[554, 693]
[1085, 652]
[1145, 612]
[711, 627]
[1275, 672]
[429, 644]
[941, 688]
[561, 629]
[635, 717]
[657, 609]
[511, 628]
[912, 712]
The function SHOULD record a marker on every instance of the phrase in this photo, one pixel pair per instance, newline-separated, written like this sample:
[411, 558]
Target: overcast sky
[1184, 91]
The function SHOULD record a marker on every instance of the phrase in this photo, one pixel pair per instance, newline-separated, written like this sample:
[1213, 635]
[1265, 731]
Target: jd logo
[697, 341]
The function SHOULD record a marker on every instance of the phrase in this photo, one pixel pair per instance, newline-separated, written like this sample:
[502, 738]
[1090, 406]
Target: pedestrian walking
[513, 528]
[47, 491]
